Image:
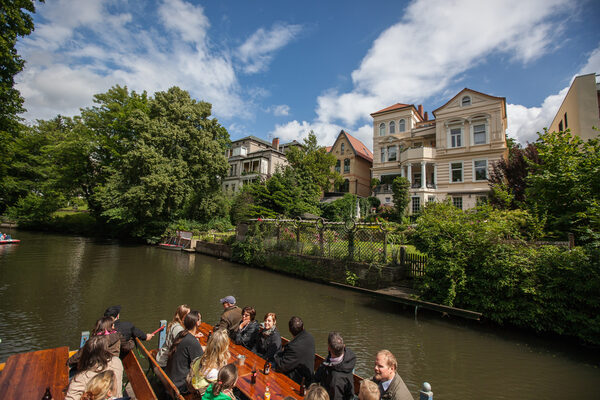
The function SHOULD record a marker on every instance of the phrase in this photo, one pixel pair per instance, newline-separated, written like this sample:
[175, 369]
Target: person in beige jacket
[95, 358]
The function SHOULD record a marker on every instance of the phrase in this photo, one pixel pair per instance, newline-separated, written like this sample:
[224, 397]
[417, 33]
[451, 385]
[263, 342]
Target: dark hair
[296, 325]
[336, 344]
[94, 354]
[251, 311]
[189, 322]
[226, 379]
[103, 324]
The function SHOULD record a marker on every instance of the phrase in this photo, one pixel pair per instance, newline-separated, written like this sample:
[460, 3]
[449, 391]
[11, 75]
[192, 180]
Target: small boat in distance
[180, 241]
[7, 239]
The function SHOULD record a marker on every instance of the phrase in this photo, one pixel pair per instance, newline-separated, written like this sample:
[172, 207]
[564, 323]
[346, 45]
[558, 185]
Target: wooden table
[27, 375]
[280, 385]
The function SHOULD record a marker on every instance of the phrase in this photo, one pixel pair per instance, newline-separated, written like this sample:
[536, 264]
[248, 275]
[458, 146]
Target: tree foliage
[401, 196]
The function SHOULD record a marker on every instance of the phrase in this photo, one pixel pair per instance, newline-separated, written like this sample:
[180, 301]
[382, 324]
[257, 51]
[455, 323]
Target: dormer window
[401, 125]
[466, 101]
[392, 128]
[382, 129]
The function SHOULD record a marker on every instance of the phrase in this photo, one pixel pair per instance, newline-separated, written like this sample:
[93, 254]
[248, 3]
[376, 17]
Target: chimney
[426, 117]
[275, 144]
[420, 108]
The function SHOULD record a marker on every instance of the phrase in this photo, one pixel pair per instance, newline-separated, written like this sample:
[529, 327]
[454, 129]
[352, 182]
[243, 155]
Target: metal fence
[353, 241]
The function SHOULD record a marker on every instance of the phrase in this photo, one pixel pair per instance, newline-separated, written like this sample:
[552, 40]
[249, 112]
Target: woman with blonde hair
[316, 392]
[368, 390]
[100, 387]
[173, 329]
[205, 369]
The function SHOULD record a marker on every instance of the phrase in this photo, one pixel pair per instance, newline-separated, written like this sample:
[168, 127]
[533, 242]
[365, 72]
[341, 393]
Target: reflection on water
[53, 287]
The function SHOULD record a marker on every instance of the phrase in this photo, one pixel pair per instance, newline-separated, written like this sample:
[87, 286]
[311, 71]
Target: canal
[53, 287]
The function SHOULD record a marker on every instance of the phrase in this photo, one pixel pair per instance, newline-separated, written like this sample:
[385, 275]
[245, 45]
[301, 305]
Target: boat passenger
[391, 385]
[127, 330]
[100, 387]
[368, 390]
[173, 329]
[184, 350]
[335, 373]
[297, 358]
[95, 358]
[204, 370]
[231, 316]
[316, 392]
[269, 340]
[104, 327]
[248, 332]
[223, 388]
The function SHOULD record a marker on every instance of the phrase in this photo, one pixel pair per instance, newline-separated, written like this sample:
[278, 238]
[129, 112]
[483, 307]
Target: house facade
[446, 157]
[354, 162]
[251, 159]
[580, 110]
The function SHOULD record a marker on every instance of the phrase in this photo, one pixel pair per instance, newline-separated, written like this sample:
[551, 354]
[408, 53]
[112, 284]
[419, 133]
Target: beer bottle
[267, 393]
[47, 394]
[267, 368]
[303, 387]
[253, 377]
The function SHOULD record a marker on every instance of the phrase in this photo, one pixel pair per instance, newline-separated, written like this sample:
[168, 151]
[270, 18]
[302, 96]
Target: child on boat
[223, 388]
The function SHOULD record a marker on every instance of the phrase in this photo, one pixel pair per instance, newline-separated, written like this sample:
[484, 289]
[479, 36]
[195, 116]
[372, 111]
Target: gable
[475, 97]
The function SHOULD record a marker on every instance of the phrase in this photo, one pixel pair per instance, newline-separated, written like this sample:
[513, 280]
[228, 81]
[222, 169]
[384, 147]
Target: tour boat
[9, 241]
[169, 246]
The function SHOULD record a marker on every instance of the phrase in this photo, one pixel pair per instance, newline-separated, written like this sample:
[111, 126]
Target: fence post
[426, 393]
[385, 239]
[571, 240]
[351, 245]
[162, 336]
[298, 239]
[403, 261]
[278, 233]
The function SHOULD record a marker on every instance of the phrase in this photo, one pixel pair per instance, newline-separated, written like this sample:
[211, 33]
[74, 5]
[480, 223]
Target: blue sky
[281, 68]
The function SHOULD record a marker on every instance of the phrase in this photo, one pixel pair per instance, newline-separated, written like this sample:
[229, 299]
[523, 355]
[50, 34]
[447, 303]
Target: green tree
[401, 196]
[565, 185]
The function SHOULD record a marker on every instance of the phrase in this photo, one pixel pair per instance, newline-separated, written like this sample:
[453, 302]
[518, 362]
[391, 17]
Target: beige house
[448, 157]
[354, 162]
[580, 110]
[251, 159]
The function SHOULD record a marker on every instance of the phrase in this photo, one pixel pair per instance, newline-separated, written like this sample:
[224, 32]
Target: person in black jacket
[269, 339]
[335, 373]
[247, 334]
[297, 358]
[126, 329]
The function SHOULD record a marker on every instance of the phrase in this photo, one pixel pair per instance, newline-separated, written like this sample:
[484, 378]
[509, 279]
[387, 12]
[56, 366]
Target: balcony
[383, 189]
[417, 154]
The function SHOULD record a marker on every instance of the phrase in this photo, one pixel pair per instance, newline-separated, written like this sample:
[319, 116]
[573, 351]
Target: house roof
[359, 148]
[256, 139]
[328, 148]
[473, 91]
[397, 106]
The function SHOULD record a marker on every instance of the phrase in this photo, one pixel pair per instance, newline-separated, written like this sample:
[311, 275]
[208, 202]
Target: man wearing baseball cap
[126, 330]
[231, 317]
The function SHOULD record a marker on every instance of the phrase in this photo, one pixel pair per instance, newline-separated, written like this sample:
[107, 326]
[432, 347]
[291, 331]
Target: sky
[281, 68]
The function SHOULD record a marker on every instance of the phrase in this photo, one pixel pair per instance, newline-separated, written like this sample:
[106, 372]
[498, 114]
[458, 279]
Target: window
[430, 199]
[416, 205]
[479, 134]
[560, 126]
[388, 200]
[233, 170]
[457, 202]
[342, 148]
[226, 188]
[346, 165]
[456, 172]
[233, 187]
[566, 121]
[482, 200]
[466, 101]
[391, 153]
[382, 129]
[480, 170]
[455, 137]
[383, 154]
[337, 166]
[417, 179]
[346, 186]
[392, 127]
[401, 125]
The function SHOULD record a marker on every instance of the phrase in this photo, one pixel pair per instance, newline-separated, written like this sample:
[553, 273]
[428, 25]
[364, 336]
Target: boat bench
[137, 378]
[166, 381]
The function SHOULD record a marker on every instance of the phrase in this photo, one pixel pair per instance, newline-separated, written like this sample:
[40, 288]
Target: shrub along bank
[470, 265]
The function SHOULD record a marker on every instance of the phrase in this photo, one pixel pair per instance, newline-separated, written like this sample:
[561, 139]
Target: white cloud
[434, 43]
[524, 122]
[85, 47]
[257, 51]
[280, 110]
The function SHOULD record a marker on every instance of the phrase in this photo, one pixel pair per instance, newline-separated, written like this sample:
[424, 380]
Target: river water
[53, 287]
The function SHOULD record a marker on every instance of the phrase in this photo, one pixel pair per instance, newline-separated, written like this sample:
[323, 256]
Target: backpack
[196, 381]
